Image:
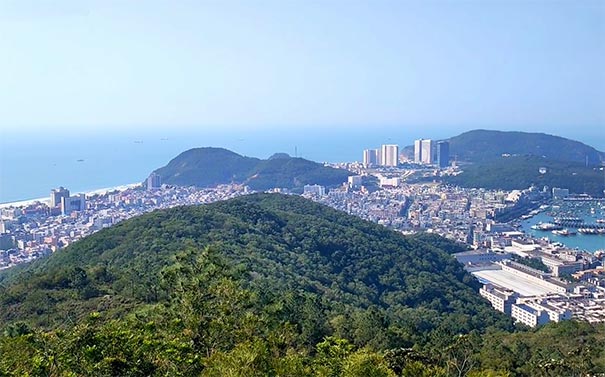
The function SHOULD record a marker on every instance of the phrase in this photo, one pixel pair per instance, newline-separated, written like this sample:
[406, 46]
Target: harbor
[576, 224]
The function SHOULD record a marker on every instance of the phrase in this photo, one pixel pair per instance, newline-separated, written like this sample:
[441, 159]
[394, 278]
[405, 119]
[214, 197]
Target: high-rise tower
[443, 154]
[389, 155]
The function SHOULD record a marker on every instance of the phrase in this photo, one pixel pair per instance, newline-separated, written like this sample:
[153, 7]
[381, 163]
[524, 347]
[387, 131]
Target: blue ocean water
[31, 165]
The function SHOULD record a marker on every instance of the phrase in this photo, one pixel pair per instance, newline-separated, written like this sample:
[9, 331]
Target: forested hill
[484, 145]
[521, 172]
[206, 167]
[267, 285]
[283, 242]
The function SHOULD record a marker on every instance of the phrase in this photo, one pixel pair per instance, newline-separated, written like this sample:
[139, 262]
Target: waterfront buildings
[370, 157]
[559, 193]
[154, 181]
[425, 152]
[443, 154]
[418, 151]
[314, 190]
[56, 195]
[73, 203]
[389, 155]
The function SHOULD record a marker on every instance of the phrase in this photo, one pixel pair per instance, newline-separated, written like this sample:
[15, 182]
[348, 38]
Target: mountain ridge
[209, 166]
[482, 145]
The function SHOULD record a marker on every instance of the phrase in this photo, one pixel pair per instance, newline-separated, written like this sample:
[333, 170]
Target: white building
[355, 181]
[559, 193]
[73, 203]
[528, 315]
[502, 299]
[534, 312]
[314, 190]
[427, 149]
[418, 151]
[56, 195]
[389, 182]
[389, 154]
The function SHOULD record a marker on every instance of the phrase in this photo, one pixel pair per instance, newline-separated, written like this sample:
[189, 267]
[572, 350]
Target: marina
[576, 224]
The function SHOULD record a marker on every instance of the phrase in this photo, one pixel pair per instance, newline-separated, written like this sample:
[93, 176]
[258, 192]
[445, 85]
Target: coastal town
[532, 279]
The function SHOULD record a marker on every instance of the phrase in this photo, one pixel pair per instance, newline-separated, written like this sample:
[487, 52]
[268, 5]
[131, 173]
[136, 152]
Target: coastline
[46, 200]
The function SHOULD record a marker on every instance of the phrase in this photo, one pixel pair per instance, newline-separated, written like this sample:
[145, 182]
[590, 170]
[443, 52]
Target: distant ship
[80, 160]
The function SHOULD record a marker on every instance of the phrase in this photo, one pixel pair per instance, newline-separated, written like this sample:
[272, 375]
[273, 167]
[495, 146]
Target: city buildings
[154, 181]
[56, 195]
[418, 151]
[370, 158]
[427, 151]
[443, 154]
[389, 155]
[314, 190]
[502, 299]
[559, 193]
[73, 203]
[355, 181]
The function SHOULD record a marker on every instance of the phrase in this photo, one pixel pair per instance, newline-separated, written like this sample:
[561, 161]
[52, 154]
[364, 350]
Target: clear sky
[105, 65]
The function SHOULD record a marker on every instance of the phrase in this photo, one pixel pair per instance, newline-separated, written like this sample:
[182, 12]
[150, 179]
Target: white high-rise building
[56, 195]
[389, 154]
[314, 190]
[418, 151]
[427, 151]
[73, 203]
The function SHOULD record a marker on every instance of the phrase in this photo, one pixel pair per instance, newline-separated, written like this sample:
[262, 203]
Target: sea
[589, 211]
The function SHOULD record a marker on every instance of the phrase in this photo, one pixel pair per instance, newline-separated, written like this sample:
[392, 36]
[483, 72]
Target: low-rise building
[501, 298]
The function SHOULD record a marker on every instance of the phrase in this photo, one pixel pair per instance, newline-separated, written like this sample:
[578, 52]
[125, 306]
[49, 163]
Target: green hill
[206, 167]
[287, 242]
[520, 172]
[482, 145]
[265, 285]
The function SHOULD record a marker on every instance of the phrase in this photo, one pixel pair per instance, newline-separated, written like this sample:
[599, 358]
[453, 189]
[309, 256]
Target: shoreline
[46, 200]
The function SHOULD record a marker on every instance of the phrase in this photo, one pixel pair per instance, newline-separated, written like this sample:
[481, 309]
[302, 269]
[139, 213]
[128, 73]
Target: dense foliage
[267, 285]
[520, 172]
[483, 145]
[205, 167]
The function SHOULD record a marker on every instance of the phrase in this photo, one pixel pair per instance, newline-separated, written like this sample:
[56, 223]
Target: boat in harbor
[564, 232]
[589, 231]
[546, 226]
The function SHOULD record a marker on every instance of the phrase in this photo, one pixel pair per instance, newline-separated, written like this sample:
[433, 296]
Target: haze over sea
[31, 165]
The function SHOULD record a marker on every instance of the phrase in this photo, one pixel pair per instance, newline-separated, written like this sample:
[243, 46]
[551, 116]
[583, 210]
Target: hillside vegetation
[206, 167]
[520, 172]
[483, 145]
[267, 285]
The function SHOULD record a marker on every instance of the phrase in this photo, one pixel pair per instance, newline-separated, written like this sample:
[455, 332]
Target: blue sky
[228, 65]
